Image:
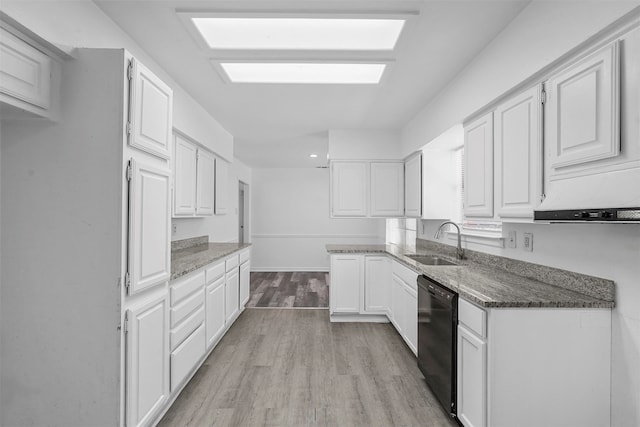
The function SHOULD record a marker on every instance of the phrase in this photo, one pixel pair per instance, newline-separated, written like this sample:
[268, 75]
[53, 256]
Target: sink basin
[430, 260]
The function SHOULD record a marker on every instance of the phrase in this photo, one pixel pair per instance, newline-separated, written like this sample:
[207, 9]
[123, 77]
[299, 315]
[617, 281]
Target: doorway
[243, 212]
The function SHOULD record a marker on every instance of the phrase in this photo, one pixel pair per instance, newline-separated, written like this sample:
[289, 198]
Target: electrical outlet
[174, 228]
[527, 243]
[511, 240]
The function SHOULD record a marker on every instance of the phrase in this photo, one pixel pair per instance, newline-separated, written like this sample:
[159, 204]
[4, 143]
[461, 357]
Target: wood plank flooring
[287, 367]
[291, 289]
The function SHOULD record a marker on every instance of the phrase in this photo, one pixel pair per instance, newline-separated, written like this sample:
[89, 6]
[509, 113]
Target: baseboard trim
[361, 318]
[289, 269]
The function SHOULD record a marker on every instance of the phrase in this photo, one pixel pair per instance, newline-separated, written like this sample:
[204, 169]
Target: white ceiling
[274, 125]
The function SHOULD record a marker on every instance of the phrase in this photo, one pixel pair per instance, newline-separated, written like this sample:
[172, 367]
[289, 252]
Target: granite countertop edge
[447, 277]
[187, 260]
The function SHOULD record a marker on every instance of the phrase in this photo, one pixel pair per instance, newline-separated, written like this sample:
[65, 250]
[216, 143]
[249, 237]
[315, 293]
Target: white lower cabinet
[347, 278]
[404, 304]
[411, 318]
[232, 288]
[508, 357]
[377, 286]
[472, 378]
[397, 299]
[245, 282]
[147, 360]
[186, 356]
[215, 310]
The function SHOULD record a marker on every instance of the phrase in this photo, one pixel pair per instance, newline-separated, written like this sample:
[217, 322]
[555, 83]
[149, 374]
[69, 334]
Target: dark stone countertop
[490, 286]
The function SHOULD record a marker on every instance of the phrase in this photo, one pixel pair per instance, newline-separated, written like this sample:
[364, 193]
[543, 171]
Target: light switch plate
[527, 242]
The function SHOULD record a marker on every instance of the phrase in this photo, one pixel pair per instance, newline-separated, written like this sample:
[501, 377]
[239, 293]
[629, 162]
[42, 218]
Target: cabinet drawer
[181, 332]
[472, 317]
[183, 287]
[185, 357]
[244, 256]
[186, 307]
[215, 272]
[232, 262]
[407, 275]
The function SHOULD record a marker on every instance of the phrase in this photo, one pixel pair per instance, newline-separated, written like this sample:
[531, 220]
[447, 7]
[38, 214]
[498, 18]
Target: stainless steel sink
[431, 260]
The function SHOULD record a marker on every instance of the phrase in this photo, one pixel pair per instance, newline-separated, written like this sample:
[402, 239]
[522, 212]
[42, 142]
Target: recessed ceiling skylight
[299, 33]
[303, 72]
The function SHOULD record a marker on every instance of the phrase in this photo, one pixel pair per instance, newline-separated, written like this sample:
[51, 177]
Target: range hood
[601, 197]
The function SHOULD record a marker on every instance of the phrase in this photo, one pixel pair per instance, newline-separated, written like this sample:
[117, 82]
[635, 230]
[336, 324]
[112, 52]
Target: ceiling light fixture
[299, 33]
[303, 72]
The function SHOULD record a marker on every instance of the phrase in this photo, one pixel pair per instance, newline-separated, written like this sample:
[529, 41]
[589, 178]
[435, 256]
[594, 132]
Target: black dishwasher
[437, 340]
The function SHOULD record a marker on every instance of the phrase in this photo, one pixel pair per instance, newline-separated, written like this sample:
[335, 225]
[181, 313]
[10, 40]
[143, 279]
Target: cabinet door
[410, 318]
[387, 189]
[347, 278]
[205, 183]
[397, 303]
[215, 310]
[518, 155]
[349, 188]
[221, 184]
[184, 192]
[232, 295]
[147, 361]
[149, 261]
[25, 72]
[150, 111]
[478, 174]
[413, 186]
[377, 284]
[582, 111]
[472, 379]
[245, 269]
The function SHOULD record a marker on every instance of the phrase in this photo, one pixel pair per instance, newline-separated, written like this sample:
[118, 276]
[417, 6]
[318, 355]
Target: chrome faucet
[459, 250]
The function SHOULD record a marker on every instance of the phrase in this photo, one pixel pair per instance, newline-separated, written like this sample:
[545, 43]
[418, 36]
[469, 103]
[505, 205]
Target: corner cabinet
[367, 189]
[518, 155]
[478, 168]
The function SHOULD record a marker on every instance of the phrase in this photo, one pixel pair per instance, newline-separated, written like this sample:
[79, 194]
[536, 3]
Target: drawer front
[232, 262]
[472, 317]
[185, 357]
[215, 272]
[409, 276]
[182, 310]
[191, 323]
[183, 287]
[244, 256]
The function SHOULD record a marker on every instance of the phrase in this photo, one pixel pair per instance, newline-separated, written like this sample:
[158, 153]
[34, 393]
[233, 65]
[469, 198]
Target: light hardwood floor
[285, 367]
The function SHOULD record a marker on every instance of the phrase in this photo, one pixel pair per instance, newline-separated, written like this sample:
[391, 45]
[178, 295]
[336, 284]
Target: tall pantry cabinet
[86, 250]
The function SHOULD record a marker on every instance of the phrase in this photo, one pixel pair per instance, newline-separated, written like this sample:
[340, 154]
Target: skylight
[303, 72]
[299, 33]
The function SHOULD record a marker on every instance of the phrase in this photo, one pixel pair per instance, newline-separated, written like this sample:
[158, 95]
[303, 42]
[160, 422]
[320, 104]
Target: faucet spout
[459, 250]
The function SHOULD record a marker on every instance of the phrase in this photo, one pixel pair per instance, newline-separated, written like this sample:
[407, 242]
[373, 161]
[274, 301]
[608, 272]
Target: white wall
[291, 223]
[543, 32]
[364, 144]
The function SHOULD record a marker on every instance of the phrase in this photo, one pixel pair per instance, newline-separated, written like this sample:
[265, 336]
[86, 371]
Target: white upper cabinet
[582, 111]
[349, 187]
[478, 176]
[518, 155]
[387, 189]
[25, 72]
[149, 227]
[221, 186]
[150, 112]
[184, 170]
[413, 186]
[205, 183]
